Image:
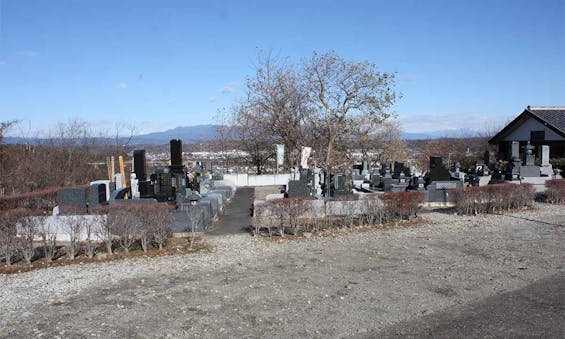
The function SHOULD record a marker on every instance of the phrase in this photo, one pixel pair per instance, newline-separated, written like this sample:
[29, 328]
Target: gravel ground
[352, 284]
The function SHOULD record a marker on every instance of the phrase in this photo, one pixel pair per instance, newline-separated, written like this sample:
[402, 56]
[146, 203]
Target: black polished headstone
[437, 171]
[97, 195]
[71, 201]
[139, 164]
[399, 168]
[176, 155]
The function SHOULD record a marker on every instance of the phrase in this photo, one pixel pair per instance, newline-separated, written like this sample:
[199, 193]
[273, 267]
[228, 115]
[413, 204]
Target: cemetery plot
[353, 284]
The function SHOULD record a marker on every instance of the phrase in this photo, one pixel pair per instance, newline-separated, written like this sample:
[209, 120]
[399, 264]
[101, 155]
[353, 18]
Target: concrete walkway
[236, 216]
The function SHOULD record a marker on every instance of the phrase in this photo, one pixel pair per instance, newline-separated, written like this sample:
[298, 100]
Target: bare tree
[340, 90]
[254, 137]
[380, 143]
[4, 127]
[277, 97]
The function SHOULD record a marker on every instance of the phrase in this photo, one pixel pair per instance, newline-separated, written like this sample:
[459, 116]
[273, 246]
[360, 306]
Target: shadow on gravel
[529, 219]
[535, 311]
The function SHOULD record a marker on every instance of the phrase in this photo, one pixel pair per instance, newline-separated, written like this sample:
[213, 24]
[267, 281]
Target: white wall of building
[240, 180]
[522, 133]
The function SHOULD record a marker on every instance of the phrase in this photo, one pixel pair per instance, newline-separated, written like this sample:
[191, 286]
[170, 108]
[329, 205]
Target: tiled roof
[554, 116]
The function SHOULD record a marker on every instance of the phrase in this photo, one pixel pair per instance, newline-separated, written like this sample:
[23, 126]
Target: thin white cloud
[28, 54]
[2, 62]
[122, 85]
[213, 99]
[227, 89]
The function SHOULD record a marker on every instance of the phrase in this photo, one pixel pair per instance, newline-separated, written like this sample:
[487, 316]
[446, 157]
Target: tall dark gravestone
[176, 155]
[437, 171]
[139, 164]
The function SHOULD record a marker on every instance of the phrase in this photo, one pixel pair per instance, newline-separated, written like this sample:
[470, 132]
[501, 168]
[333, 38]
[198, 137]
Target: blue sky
[162, 64]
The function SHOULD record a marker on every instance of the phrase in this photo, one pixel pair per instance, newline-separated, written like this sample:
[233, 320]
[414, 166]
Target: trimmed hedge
[555, 191]
[493, 198]
[44, 199]
[402, 205]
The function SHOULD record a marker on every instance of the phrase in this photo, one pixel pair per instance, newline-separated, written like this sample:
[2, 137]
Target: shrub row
[493, 198]
[402, 205]
[297, 215]
[44, 199]
[555, 191]
[22, 229]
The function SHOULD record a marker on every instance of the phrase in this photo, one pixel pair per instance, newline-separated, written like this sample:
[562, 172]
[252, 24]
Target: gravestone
[399, 168]
[515, 150]
[546, 169]
[176, 156]
[419, 183]
[198, 168]
[529, 169]
[440, 191]
[71, 201]
[375, 179]
[97, 195]
[298, 189]
[139, 161]
[513, 167]
[365, 168]
[118, 180]
[401, 183]
[342, 184]
[437, 171]
[529, 156]
[489, 158]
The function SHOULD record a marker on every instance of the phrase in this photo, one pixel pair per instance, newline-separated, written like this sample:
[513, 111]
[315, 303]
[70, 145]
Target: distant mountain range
[187, 134]
[190, 134]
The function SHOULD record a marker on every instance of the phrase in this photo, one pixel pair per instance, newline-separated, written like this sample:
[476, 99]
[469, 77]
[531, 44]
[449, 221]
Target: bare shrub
[155, 222]
[90, 244]
[263, 217]
[72, 226]
[8, 238]
[107, 224]
[144, 232]
[555, 191]
[48, 235]
[194, 214]
[372, 210]
[161, 220]
[289, 212]
[402, 205]
[493, 198]
[27, 229]
[125, 224]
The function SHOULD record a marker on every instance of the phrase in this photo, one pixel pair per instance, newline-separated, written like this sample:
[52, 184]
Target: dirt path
[236, 216]
[354, 284]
